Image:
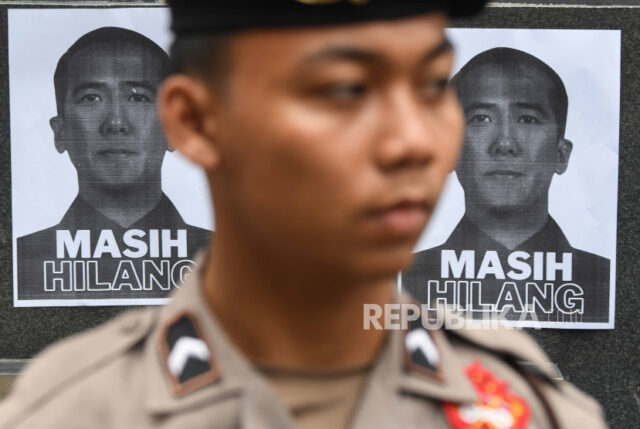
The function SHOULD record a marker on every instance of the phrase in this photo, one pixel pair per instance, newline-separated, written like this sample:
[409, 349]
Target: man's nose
[505, 141]
[116, 120]
[407, 131]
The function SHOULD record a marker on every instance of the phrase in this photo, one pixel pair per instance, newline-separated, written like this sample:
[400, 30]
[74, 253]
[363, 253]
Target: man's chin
[384, 267]
[507, 208]
[508, 203]
[115, 186]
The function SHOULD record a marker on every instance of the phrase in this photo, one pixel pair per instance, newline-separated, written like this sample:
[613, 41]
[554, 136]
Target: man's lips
[405, 218]
[508, 173]
[117, 152]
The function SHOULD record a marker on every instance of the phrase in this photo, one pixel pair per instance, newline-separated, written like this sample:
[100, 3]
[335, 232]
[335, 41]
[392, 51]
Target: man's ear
[564, 153]
[187, 111]
[57, 123]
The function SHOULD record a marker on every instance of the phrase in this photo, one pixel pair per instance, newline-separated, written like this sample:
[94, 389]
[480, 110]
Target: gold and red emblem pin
[496, 407]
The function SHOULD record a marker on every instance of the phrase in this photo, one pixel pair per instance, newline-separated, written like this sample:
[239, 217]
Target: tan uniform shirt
[174, 367]
[319, 399]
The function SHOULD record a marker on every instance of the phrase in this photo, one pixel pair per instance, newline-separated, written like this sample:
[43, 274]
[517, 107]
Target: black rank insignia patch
[420, 350]
[187, 356]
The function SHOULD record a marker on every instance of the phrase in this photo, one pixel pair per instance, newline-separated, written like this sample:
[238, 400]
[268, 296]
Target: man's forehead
[104, 62]
[521, 82]
[418, 35]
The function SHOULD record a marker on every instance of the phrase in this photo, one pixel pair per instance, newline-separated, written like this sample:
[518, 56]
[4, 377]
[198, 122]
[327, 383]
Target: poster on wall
[104, 213]
[526, 228]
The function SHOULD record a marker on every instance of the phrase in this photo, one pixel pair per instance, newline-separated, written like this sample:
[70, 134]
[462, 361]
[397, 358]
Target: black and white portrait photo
[512, 249]
[121, 238]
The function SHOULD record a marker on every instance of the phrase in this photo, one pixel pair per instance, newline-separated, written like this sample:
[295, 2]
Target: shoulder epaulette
[517, 347]
[45, 376]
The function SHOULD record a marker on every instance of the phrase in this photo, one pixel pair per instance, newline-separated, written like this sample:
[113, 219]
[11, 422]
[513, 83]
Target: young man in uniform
[106, 89]
[326, 131]
[515, 109]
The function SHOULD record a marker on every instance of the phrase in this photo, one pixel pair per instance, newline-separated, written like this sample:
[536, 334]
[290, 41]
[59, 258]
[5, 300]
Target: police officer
[326, 129]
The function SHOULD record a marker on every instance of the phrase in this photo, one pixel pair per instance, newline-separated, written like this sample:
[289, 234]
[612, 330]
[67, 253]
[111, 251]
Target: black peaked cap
[224, 16]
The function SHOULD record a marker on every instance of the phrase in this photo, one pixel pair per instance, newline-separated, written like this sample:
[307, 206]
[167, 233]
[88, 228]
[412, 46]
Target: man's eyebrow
[478, 106]
[343, 53]
[361, 55]
[532, 106]
[445, 46]
[141, 84]
[87, 85]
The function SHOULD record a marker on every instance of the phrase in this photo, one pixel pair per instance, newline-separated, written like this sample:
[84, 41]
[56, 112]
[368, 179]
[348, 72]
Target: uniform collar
[550, 236]
[445, 382]
[231, 366]
[162, 215]
[235, 377]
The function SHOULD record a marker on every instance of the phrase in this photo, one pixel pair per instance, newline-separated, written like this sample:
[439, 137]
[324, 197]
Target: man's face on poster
[513, 145]
[109, 123]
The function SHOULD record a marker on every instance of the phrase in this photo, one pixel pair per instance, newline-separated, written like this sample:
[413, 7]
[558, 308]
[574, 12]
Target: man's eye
[345, 92]
[138, 98]
[434, 88]
[479, 119]
[90, 98]
[528, 119]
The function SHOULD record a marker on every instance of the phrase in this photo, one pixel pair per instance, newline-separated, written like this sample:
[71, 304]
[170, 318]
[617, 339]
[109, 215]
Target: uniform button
[130, 326]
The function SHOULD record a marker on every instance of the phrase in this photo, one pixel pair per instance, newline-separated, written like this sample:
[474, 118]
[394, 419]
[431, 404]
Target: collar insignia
[421, 353]
[496, 407]
[187, 356]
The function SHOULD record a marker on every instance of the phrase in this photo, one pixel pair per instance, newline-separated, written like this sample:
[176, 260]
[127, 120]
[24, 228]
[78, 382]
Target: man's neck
[124, 207]
[510, 228]
[279, 315]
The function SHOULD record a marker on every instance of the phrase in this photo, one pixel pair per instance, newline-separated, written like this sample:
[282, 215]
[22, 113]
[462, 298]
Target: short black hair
[510, 59]
[110, 36]
[202, 55]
